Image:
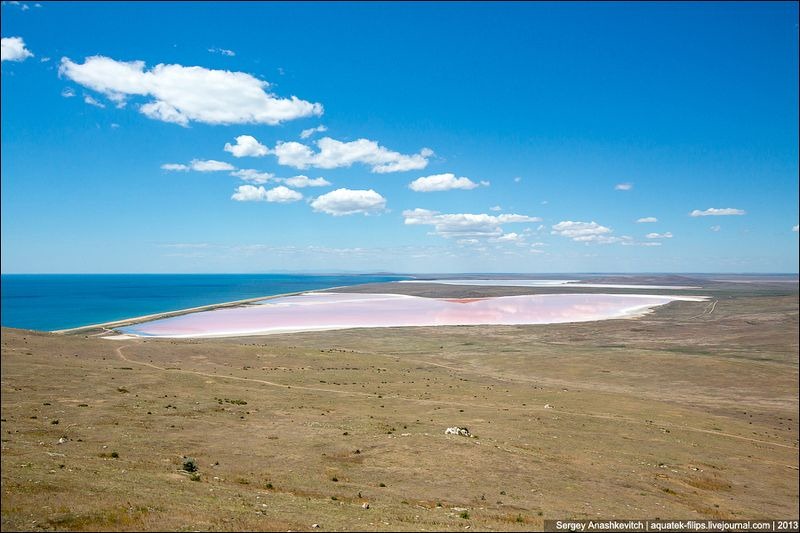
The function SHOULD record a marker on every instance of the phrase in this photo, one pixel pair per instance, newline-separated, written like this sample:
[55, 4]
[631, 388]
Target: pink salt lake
[324, 311]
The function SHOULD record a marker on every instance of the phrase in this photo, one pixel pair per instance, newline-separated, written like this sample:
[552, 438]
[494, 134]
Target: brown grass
[668, 415]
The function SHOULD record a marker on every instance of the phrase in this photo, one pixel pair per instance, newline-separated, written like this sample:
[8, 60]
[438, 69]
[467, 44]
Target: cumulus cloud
[589, 232]
[68, 92]
[91, 101]
[349, 202]
[13, 49]
[246, 146]
[182, 95]
[646, 219]
[442, 182]
[335, 154]
[666, 235]
[304, 181]
[794, 229]
[715, 228]
[283, 194]
[305, 134]
[713, 211]
[198, 165]
[495, 208]
[463, 225]
[623, 186]
[279, 194]
[510, 237]
[517, 179]
[254, 176]
[250, 193]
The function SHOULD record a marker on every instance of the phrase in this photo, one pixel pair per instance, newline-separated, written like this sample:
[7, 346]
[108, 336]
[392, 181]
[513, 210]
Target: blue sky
[484, 137]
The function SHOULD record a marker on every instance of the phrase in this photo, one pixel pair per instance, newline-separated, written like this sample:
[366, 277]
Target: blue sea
[59, 301]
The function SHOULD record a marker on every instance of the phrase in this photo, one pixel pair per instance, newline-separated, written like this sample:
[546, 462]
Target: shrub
[190, 465]
[464, 515]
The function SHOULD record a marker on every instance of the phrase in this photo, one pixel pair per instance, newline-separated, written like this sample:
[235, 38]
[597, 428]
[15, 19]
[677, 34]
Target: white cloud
[335, 154]
[13, 49]
[647, 219]
[666, 235]
[464, 224]
[91, 101]
[175, 167]
[222, 51]
[188, 94]
[713, 211]
[304, 181]
[715, 228]
[198, 165]
[305, 134]
[510, 237]
[68, 92]
[254, 176]
[283, 194]
[623, 186]
[211, 165]
[349, 202]
[441, 182]
[251, 193]
[632, 243]
[185, 245]
[495, 208]
[794, 229]
[586, 232]
[246, 146]
[517, 179]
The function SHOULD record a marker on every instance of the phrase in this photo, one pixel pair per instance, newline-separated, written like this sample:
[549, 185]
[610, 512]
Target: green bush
[190, 465]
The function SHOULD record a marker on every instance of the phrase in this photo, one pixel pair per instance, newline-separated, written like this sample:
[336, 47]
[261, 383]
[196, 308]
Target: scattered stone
[456, 430]
[62, 440]
[365, 505]
[315, 526]
[548, 406]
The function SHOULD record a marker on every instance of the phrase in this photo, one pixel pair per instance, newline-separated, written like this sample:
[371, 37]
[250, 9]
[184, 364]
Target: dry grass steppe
[688, 412]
